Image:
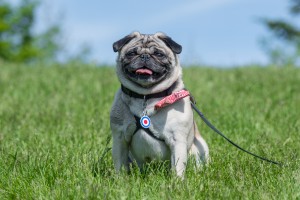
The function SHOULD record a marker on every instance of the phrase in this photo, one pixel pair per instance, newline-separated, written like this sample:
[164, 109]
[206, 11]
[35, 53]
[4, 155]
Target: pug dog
[151, 117]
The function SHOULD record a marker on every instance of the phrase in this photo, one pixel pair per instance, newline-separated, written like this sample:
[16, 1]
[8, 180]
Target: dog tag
[145, 121]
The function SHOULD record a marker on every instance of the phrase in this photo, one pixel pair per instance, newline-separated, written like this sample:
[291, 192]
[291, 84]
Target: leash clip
[145, 121]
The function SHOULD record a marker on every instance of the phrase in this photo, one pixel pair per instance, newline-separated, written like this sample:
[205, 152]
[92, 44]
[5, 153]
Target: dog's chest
[148, 144]
[139, 107]
[168, 126]
[164, 123]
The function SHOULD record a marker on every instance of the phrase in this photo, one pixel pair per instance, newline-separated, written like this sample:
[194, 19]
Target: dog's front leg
[120, 152]
[179, 157]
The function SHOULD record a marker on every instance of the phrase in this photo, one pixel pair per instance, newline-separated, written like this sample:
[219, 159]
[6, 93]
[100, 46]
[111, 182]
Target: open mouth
[143, 73]
[145, 76]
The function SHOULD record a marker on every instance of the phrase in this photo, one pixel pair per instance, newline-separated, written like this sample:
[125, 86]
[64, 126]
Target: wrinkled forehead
[146, 43]
[146, 39]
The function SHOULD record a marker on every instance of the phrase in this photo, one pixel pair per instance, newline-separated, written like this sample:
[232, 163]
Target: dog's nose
[145, 57]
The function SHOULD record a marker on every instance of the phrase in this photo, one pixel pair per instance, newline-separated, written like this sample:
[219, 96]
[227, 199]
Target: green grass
[55, 136]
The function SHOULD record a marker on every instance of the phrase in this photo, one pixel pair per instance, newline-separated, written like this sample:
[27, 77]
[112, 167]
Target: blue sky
[212, 32]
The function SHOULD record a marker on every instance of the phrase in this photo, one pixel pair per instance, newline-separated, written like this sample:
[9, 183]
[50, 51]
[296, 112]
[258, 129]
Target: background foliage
[18, 42]
[287, 51]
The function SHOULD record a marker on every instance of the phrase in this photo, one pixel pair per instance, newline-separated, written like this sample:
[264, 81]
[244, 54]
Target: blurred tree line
[286, 49]
[19, 42]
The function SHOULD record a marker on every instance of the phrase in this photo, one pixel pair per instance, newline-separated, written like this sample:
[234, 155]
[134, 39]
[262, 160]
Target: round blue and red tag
[145, 121]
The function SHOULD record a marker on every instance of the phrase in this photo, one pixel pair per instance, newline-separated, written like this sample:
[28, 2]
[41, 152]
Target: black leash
[221, 134]
[168, 92]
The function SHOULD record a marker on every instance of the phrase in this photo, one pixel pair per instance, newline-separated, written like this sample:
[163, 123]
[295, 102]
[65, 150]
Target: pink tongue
[144, 71]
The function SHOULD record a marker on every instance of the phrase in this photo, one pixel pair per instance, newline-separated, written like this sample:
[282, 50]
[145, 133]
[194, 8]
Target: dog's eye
[131, 54]
[159, 54]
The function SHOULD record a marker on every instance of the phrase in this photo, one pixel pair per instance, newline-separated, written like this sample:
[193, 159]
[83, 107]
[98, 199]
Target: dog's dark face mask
[145, 59]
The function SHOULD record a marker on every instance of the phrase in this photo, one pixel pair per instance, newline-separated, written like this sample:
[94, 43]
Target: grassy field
[55, 136]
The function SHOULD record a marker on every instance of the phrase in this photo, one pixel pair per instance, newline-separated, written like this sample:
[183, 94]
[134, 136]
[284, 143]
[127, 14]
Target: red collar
[167, 95]
[172, 98]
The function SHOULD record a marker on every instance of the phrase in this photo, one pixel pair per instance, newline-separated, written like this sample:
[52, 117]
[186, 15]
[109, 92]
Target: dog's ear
[175, 47]
[120, 43]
